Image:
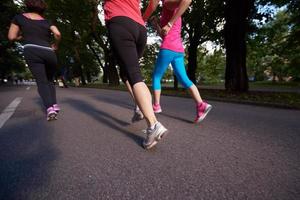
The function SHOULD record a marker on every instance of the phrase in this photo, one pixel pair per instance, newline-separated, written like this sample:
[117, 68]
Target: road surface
[93, 151]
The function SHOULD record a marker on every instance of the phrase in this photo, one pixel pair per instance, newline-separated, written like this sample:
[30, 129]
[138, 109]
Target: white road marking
[9, 111]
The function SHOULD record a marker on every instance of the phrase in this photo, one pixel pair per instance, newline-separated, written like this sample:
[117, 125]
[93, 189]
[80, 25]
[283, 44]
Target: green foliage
[211, 66]
[271, 48]
[75, 20]
[10, 59]
[275, 44]
[148, 61]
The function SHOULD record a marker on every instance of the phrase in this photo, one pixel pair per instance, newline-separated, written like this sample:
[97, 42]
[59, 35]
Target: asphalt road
[93, 151]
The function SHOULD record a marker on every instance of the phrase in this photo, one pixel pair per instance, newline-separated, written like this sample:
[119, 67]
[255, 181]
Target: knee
[186, 83]
[135, 77]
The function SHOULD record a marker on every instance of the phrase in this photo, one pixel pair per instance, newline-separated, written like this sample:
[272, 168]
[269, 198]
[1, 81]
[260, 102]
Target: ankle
[200, 103]
[153, 125]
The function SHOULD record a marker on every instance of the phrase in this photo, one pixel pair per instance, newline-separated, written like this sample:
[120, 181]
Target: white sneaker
[154, 135]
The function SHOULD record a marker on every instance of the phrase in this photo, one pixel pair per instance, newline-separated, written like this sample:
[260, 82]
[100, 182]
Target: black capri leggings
[128, 40]
[42, 63]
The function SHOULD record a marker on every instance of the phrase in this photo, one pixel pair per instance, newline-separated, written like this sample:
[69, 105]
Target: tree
[84, 33]
[268, 43]
[10, 58]
[148, 61]
[202, 22]
[237, 20]
[211, 68]
[275, 45]
[293, 41]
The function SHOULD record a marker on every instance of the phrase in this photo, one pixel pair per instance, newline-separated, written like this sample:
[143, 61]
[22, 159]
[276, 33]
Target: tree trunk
[88, 76]
[110, 70]
[79, 65]
[175, 82]
[96, 55]
[113, 75]
[81, 75]
[105, 73]
[236, 16]
[194, 38]
[103, 67]
[192, 61]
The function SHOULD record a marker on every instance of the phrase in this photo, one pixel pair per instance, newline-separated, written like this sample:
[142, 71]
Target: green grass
[270, 84]
[274, 99]
[252, 85]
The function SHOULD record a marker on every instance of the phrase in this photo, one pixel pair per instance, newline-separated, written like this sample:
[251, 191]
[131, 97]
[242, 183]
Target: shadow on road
[115, 101]
[39, 102]
[103, 118]
[26, 155]
[175, 117]
[123, 104]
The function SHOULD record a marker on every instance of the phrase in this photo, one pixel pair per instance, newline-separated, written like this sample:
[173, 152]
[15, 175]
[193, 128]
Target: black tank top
[34, 31]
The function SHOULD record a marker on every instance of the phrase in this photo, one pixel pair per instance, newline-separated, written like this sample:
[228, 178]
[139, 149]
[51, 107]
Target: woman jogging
[127, 34]
[172, 52]
[35, 33]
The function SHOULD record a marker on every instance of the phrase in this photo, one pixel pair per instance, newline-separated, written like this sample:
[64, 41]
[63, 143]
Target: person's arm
[14, 32]
[150, 9]
[154, 21]
[183, 5]
[57, 37]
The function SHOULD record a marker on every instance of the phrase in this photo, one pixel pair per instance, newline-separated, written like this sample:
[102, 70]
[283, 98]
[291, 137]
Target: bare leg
[129, 88]
[144, 101]
[157, 94]
[195, 94]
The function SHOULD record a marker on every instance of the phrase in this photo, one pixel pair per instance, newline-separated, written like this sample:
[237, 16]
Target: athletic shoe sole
[157, 111]
[52, 117]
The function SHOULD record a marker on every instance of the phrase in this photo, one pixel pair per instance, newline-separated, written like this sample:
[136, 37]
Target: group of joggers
[128, 35]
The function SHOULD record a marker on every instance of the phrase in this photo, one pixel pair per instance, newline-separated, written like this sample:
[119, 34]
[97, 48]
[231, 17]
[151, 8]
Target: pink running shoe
[157, 108]
[51, 114]
[56, 108]
[202, 110]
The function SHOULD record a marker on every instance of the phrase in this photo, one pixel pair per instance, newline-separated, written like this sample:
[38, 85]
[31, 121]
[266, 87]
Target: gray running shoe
[154, 135]
[137, 116]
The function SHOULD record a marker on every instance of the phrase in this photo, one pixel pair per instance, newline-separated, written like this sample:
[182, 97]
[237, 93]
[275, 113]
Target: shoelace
[147, 130]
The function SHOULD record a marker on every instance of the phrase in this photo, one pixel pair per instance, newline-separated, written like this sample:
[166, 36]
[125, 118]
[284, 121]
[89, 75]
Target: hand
[19, 38]
[165, 30]
[154, 21]
[54, 47]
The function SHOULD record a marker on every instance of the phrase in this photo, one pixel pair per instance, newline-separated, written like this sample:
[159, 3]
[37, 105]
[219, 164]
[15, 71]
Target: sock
[137, 108]
[152, 127]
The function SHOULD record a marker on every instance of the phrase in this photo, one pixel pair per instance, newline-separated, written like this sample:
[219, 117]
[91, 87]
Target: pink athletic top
[126, 8]
[173, 40]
